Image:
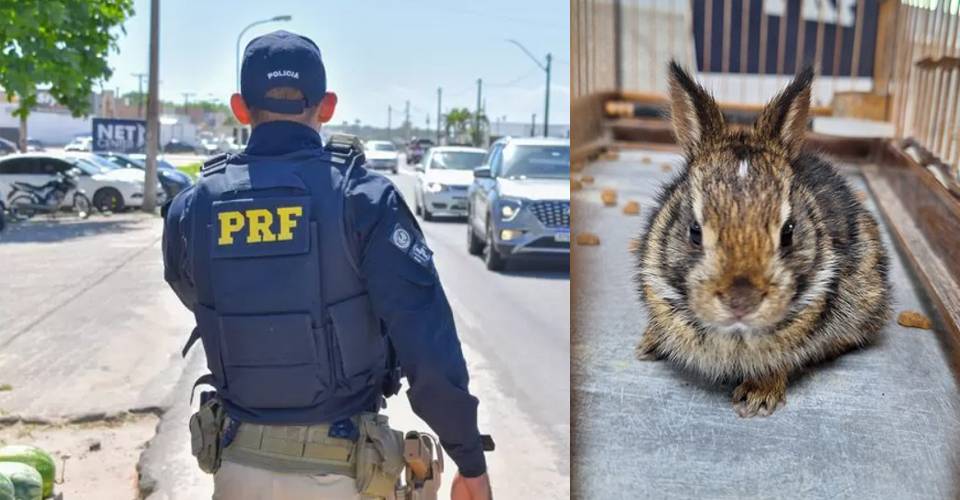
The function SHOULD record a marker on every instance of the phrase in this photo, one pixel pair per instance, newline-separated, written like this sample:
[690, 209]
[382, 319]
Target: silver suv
[519, 202]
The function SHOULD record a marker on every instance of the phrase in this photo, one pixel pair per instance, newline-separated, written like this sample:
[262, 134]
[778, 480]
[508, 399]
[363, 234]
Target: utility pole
[140, 77]
[406, 121]
[476, 116]
[439, 115]
[546, 106]
[153, 118]
[186, 102]
[533, 125]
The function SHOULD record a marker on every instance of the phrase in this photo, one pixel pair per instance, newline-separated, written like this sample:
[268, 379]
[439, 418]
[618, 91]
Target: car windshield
[523, 161]
[457, 160]
[102, 162]
[382, 146]
[88, 167]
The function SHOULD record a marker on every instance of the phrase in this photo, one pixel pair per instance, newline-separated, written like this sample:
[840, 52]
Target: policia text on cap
[313, 290]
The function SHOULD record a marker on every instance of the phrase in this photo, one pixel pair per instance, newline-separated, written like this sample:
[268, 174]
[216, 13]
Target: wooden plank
[912, 215]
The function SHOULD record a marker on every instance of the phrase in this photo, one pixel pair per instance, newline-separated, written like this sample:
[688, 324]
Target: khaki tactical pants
[240, 482]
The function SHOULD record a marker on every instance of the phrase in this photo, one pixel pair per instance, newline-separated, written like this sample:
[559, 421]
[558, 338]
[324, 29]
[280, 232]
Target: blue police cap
[282, 59]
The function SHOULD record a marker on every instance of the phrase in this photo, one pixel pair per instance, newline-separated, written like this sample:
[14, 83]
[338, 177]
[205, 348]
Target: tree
[59, 45]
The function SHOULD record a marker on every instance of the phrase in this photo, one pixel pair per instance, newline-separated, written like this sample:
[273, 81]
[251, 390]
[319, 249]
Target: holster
[379, 457]
[424, 458]
[206, 427]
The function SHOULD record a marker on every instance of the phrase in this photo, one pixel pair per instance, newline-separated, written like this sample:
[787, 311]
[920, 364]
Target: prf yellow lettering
[230, 222]
[287, 222]
[260, 220]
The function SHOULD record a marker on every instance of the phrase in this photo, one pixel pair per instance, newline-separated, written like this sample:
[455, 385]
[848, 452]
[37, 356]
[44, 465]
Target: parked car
[175, 146]
[443, 177]
[108, 167]
[416, 148]
[381, 155]
[109, 189]
[161, 162]
[172, 180]
[81, 143]
[519, 202]
[35, 146]
[8, 147]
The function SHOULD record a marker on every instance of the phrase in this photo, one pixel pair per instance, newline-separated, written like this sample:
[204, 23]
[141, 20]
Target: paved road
[518, 321]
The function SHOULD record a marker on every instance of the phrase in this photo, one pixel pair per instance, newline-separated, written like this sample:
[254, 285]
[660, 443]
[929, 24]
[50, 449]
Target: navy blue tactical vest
[286, 323]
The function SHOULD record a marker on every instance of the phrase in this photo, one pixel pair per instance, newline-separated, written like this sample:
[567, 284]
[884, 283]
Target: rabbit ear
[785, 118]
[695, 115]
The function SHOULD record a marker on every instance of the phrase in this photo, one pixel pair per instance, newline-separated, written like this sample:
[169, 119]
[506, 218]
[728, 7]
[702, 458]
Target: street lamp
[546, 69]
[240, 36]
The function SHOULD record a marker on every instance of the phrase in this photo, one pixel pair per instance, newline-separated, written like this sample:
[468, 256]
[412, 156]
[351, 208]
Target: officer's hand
[471, 488]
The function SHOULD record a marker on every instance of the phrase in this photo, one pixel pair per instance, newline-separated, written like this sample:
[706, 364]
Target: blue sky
[377, 52]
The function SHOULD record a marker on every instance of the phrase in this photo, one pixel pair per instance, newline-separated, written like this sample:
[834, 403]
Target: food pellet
[631, 208]
[588, 239]
[609, 155]
[645, 159]
[587, 179]
[666, 167]
[609, 197]
[914, 319]
[575, 185]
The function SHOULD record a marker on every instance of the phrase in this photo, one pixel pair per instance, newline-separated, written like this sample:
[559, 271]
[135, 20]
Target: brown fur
[750, 302]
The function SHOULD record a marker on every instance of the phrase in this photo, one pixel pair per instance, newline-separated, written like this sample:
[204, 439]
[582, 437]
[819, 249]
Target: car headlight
[509, 208]
[435, 187]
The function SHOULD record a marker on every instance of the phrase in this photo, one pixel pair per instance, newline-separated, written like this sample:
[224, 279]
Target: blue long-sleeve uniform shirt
[407, 296]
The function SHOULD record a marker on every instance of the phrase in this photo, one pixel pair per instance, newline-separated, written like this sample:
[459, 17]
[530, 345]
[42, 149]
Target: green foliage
[59, 44]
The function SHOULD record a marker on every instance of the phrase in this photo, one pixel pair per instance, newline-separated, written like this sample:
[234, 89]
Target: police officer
[312, 287]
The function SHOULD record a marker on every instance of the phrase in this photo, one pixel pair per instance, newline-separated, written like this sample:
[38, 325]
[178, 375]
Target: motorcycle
[27, 200]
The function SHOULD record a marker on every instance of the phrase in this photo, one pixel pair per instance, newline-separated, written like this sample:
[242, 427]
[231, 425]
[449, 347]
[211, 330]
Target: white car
[108, 189]
[443, 176]
[381, 155]
[81, 143]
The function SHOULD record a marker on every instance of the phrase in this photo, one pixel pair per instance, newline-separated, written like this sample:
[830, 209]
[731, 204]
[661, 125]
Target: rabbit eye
[786, 234]
[696, 235]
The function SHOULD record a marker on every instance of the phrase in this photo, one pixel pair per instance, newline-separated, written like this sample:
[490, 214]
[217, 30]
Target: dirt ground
[95, 460]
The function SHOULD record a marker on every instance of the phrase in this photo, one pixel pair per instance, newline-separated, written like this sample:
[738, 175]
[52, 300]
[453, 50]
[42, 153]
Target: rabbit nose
[742, 298]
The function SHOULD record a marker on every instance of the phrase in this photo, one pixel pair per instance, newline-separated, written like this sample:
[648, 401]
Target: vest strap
[205, 379]
[194, 336]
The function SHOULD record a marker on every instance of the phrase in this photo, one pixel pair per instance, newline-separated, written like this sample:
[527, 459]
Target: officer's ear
[327, 106]
[240, 110]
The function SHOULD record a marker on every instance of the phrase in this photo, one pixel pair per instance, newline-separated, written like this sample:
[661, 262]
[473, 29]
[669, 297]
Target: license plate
[563, 237]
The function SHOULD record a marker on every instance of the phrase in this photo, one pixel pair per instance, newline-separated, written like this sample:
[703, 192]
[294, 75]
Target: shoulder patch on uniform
[420, 253]
[215, 164]
[401, 238]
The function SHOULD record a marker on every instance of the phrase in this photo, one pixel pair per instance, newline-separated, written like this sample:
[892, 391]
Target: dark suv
[519, 202]
[416, 148]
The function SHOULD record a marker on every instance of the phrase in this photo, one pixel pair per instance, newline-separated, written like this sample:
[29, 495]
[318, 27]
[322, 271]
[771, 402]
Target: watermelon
[27, 483]
[6, 488]
[34, 457]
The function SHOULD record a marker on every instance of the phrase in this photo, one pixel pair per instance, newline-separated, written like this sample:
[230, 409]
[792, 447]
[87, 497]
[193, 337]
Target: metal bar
[857, 34]
[654, 60]
[618, 44]
[837, 45]
[801, 40]
[725, 54]
[707, 33]
[762, 68]
[818, 53]
[744, 43]
[670, 34]
[782, 38]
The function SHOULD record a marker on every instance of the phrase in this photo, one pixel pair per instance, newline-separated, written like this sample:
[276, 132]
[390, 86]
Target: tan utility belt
[305, 449]
[376, 458]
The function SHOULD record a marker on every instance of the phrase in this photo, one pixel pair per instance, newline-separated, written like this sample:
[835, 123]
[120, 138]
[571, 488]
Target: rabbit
[758, 260]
